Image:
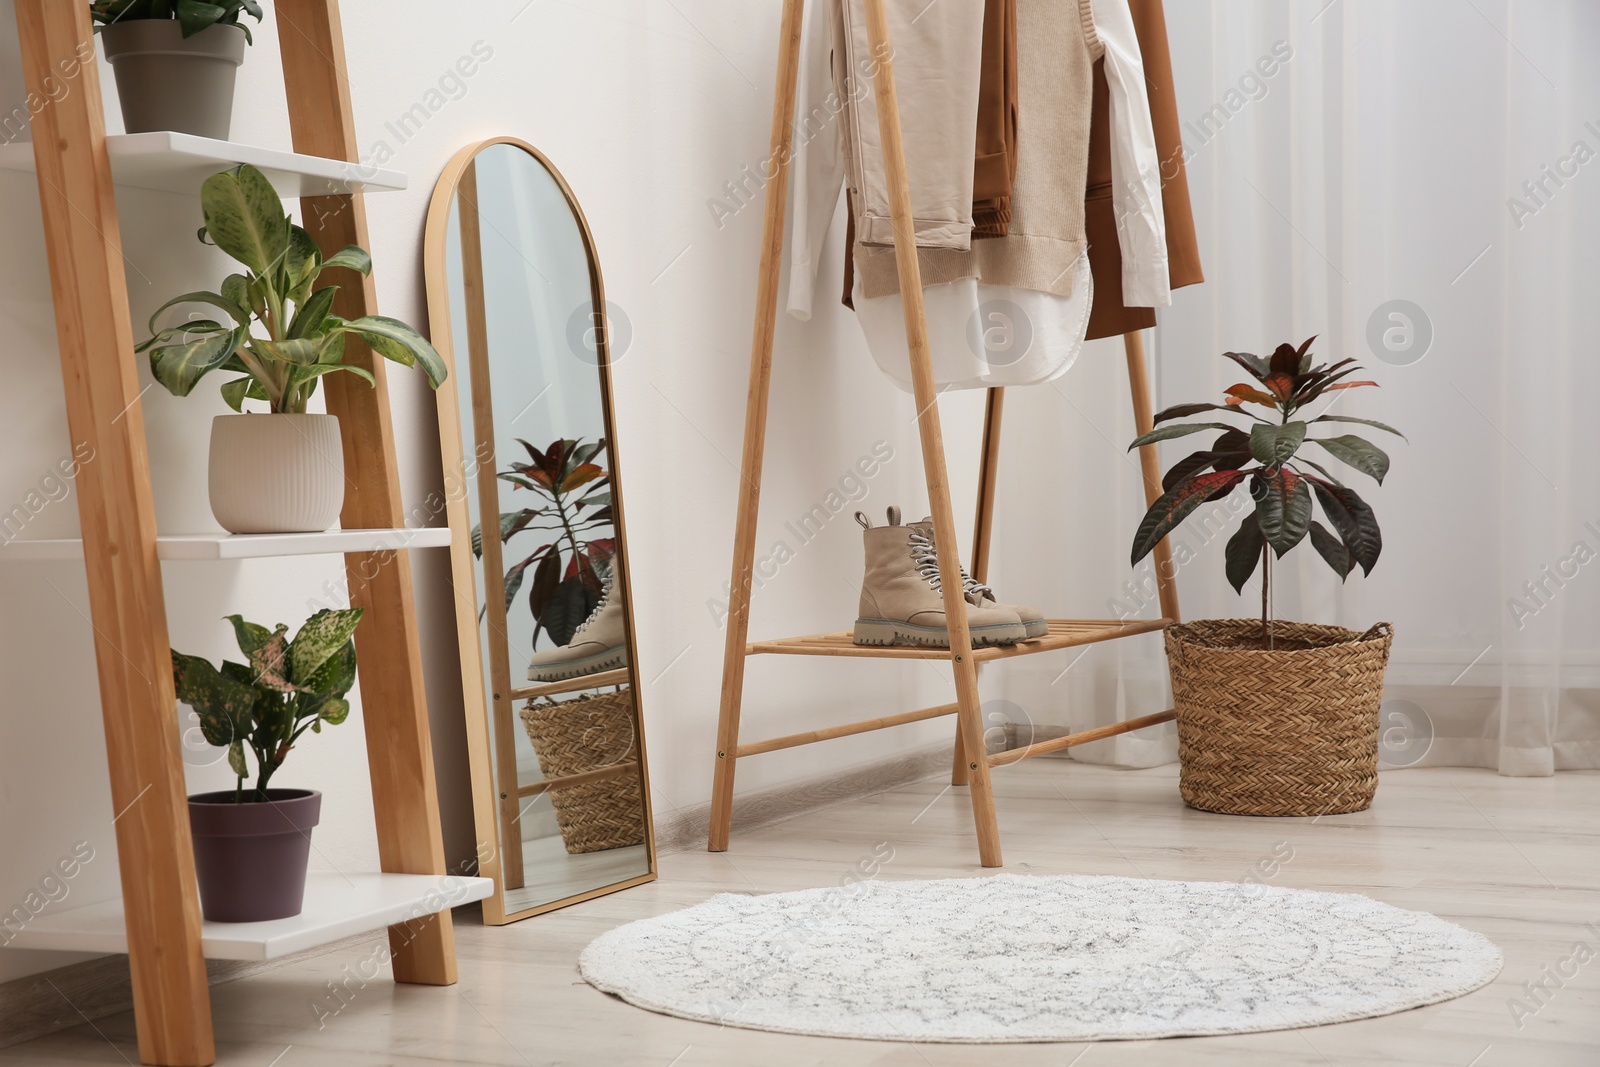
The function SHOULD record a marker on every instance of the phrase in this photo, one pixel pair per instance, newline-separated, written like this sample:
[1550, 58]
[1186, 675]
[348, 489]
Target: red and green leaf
[1283, 507]
[1355, 522]
[1175, 505]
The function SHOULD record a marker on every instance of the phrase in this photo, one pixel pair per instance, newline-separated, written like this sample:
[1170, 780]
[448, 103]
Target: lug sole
[559, 672]
[1037, 628]
[893, 632]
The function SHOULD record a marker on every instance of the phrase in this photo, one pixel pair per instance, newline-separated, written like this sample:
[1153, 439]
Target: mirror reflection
[547, 658]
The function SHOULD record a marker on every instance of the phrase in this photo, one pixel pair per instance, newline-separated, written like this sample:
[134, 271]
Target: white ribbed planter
[276, 473]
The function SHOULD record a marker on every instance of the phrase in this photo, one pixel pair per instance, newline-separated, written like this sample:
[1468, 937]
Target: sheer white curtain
[1445, 154]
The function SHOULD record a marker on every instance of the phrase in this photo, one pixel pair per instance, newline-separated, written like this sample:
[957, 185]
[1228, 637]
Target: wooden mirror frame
[495, 859]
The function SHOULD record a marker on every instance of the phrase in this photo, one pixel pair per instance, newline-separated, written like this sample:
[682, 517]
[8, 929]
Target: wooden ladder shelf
[160, 903]
[971, 762]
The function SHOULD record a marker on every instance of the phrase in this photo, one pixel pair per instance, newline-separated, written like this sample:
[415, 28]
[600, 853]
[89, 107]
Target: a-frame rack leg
[964, 667]
[393, 701]
[83, 241]
[755, 428]
[983, 529]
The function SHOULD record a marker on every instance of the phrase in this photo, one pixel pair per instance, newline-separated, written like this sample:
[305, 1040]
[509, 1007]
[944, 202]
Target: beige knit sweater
[1056, 50]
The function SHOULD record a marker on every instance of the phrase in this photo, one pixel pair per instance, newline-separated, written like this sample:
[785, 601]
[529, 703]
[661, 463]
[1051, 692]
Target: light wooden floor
[1517, 859]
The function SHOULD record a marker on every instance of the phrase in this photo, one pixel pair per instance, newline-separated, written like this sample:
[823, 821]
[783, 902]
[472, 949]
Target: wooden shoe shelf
[971, 766]
[157, 922]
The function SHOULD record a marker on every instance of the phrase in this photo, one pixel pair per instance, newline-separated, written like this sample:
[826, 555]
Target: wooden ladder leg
[755, 428]
[95, 331]
[1150, 465]
[944, 534]
[983, 530]
[394, 704]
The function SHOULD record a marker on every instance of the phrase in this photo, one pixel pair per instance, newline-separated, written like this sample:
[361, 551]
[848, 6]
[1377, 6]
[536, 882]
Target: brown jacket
[1109, 318]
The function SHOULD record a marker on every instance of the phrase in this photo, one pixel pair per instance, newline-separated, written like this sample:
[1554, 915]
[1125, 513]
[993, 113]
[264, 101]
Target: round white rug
[1017, 958]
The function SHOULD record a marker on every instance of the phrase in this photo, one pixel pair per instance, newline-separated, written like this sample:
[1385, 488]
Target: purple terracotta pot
[251, 858]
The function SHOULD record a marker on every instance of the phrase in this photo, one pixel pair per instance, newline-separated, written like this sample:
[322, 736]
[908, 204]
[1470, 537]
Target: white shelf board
[179, 162]
[243, 546]
[336, 906]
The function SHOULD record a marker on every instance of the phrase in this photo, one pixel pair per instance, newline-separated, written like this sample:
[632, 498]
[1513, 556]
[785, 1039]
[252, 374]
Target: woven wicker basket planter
[1288, 731]
[586, 734]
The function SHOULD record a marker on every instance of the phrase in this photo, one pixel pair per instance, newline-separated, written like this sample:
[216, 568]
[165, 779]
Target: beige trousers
[1056, 49]
[937, 55]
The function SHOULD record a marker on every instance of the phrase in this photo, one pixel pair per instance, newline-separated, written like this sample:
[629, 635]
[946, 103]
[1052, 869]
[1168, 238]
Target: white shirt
[984, 335]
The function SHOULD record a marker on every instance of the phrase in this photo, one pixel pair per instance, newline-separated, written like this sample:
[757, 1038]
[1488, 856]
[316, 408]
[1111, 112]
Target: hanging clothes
[1113, 314]
[1056, 49]
[938, 57]
[994, 170]
[981, 333]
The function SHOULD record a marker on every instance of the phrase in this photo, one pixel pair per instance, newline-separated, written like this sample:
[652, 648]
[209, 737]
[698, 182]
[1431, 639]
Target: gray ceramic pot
[251, 858]
[167, 82]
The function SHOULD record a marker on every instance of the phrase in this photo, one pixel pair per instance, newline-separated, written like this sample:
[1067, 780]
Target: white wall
[648, 112]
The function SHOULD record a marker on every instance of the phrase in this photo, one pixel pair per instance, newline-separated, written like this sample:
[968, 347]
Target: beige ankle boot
[1032, 620]
[900, 599]
[600, 644]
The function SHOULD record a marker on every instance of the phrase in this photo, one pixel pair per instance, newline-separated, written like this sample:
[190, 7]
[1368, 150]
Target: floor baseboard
[681, 829]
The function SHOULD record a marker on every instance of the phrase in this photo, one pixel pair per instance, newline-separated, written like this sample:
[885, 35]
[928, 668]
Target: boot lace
[926, 559]
[605, 594]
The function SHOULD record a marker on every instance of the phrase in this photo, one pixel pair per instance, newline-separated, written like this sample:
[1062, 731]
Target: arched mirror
[539, 553]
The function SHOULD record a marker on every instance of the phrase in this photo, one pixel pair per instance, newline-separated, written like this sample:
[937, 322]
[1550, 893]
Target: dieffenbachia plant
[286, 688]
[192, 15]
[300, 339]
[1282, 480]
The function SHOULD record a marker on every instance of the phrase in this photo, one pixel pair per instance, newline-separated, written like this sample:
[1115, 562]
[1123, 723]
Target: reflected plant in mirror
[570, 565]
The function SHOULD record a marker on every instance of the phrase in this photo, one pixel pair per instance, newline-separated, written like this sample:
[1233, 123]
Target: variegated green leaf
[335, 710]
[239, 390]
[299, 350]
[336, 675]
[393, 339]
[305, 374]
[308, 317]
[245, 217]
[322, 635]
[352, 256]
[179, 367]
[270, 661]
[250, 635]
[238, 311]
[236, 759]
[223, 705]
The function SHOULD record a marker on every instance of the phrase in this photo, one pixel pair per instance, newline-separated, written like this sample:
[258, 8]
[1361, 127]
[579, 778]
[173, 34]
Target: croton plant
[574, 500]
[288, 686]
[1266, 454]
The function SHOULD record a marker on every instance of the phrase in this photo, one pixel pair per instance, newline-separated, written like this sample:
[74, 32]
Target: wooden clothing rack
[971, 763]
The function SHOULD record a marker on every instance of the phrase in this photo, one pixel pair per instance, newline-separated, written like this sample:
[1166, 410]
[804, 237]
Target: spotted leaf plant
[284, 688]
[1268, 455]
[278, 330]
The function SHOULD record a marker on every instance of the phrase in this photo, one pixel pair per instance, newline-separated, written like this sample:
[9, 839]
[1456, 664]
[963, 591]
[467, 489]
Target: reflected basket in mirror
[591, 733]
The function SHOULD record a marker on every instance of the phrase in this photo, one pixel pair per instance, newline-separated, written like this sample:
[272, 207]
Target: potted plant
[175, 61]
[251, 845]
[569, 566]
[281, 472]
[1275, 718]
